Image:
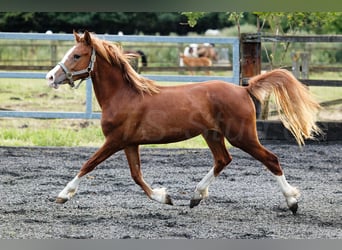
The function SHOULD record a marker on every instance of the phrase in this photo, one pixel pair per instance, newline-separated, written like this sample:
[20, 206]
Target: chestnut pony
[135, 110]
[193, 62]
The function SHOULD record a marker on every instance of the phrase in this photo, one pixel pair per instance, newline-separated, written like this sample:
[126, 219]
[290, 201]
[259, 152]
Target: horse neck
[107, 82]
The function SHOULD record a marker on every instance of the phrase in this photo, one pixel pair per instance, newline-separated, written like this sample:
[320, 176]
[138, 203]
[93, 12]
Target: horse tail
[296, 107]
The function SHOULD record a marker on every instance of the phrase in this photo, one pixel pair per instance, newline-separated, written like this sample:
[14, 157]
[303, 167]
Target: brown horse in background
[135, 110]
[193, 62]
[202, 50]
[207, 50]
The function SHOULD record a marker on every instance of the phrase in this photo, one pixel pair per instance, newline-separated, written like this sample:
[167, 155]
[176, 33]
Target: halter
[70, 74]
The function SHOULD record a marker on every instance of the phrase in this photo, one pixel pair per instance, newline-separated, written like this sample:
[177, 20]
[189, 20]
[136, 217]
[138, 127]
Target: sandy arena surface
[244, 203]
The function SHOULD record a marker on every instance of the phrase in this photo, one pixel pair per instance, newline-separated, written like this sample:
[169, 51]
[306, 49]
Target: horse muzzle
[54, 80]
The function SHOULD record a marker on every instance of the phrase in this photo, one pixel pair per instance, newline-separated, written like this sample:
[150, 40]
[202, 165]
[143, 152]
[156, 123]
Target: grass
[68, 133]
[31, 132]
[31, 95]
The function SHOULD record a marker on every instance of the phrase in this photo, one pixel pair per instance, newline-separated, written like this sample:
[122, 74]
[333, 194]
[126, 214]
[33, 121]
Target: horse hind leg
[253, 147]
[133, 158]
[291, 193]
[271, 161]
[222, 158]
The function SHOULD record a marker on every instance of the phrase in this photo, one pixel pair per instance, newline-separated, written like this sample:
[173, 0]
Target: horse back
[206, 99]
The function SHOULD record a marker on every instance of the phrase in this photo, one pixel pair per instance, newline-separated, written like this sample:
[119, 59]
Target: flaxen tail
[296, 107]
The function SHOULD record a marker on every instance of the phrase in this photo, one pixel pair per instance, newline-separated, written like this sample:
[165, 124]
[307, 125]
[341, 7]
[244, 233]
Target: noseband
[70, 74]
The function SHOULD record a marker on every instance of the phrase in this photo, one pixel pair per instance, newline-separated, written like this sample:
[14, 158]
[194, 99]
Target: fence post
[300, 64]
[305, 56]
[295, 64]
[250, 49]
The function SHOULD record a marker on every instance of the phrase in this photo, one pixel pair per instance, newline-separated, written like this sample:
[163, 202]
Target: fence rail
[89, 114]
[254, 40]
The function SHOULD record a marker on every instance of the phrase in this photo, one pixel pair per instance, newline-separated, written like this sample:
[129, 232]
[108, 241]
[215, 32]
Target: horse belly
[165, 127]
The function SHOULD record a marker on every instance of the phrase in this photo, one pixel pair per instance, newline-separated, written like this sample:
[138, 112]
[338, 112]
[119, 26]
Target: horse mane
[114, 55]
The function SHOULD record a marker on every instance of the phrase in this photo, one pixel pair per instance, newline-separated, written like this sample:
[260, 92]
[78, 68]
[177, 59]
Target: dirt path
[244, 202]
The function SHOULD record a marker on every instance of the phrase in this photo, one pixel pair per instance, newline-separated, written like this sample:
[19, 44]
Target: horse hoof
[60, 200]
[294, 208]
[194, 202]
[168, 200]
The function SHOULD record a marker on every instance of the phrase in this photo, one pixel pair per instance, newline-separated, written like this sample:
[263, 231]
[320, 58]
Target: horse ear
[77, 37]
[87, 37]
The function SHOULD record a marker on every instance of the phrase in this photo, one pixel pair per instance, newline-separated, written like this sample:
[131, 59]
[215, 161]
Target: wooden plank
[256, 37]
[303, 39]
[314, 68]
[331, 103]
[326, 83]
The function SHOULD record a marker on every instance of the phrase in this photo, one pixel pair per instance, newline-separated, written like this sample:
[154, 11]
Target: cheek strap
[70, 74]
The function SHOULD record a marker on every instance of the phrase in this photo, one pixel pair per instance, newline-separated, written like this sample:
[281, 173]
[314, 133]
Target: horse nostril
[50, 78]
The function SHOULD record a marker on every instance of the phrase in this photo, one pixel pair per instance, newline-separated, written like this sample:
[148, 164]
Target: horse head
[77, 64]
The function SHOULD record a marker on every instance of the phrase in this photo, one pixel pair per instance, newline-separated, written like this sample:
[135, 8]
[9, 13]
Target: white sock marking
[70, 189]
[291, 193]
[202, 187]
[159, 194]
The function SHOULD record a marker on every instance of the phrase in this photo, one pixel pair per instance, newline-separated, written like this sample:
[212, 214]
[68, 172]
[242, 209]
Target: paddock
[244, 202]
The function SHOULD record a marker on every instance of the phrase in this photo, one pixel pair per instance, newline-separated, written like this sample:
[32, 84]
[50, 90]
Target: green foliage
[165, 23]
[280, 22]
[193, 17]
[294, 22]
[148, 23]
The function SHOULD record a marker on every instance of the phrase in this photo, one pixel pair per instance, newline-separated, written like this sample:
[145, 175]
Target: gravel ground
[244, 202]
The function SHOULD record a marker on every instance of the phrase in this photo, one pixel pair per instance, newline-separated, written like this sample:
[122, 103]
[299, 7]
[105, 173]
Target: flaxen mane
[114, 55]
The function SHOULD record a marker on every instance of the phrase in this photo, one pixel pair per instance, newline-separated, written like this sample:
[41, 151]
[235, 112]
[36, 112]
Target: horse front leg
[102, 154]
[133, 158]
[222, 158]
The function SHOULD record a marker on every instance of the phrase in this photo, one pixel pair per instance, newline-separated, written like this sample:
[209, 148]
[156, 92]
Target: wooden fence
[250, 49]
[252, 42]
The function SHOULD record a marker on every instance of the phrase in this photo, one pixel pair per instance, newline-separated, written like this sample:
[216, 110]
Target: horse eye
[76, 57]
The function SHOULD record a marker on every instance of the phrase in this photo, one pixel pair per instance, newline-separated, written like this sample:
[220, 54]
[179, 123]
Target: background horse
[192, 62]
[135, 110]
[201, 50]
[134, 59]
[207, 50]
